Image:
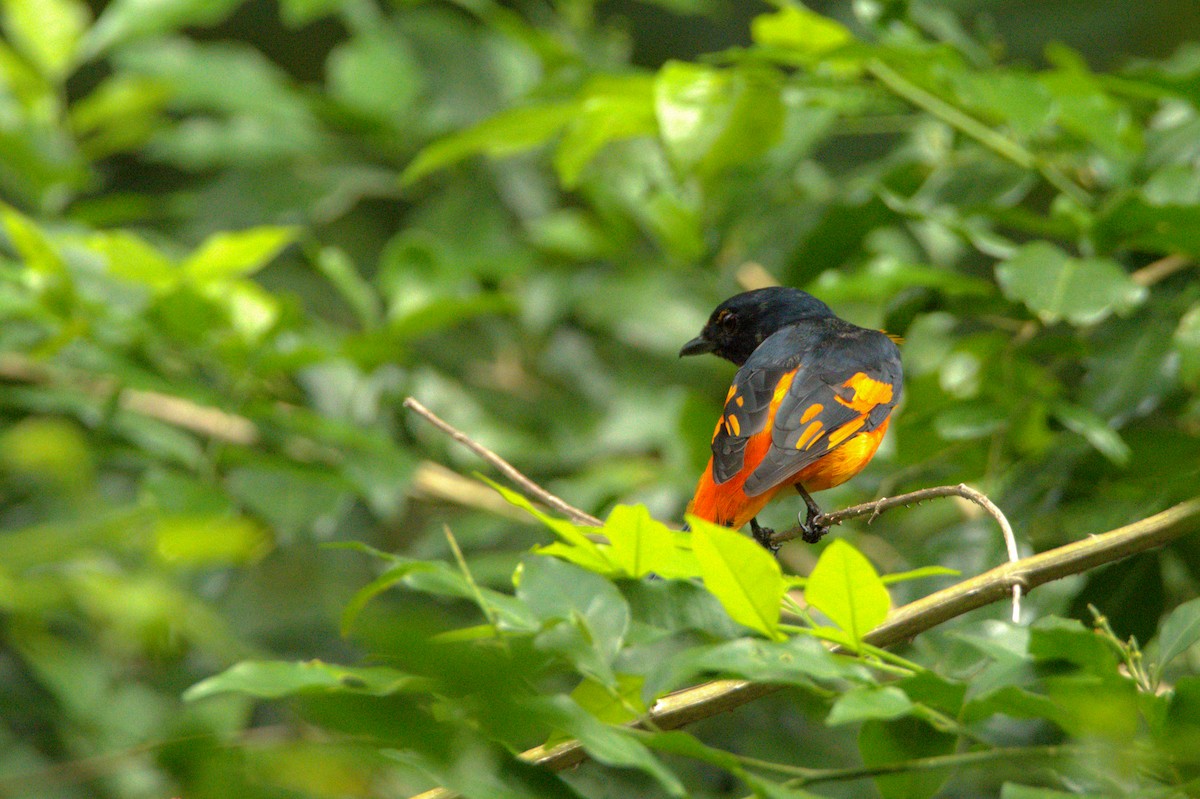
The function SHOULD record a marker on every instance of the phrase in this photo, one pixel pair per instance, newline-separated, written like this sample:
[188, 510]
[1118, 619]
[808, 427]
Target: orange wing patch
[868, 392]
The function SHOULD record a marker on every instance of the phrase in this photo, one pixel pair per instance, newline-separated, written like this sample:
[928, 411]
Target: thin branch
[880, 505]
[1160, 270]
[969, 125]
[530, 488]
[703, 701]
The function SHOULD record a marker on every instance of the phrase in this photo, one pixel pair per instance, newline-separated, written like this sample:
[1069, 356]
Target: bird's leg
[813, 532]
[764, 536]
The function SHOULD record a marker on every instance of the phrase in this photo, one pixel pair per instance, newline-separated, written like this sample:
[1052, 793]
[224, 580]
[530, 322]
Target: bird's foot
[811, 529]
[811, 532]
[764, 536]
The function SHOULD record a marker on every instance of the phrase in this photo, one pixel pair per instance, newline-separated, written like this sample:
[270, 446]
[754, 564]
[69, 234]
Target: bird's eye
[728, 322]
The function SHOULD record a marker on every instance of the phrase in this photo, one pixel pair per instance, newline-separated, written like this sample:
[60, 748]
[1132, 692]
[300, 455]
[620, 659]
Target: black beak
[697, 346]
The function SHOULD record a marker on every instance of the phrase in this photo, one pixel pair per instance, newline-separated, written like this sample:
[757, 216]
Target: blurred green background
[235, 235]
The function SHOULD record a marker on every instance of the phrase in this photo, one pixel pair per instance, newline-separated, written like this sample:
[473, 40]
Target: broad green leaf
[804, 32]
[202, 541]
[223, 256]
[1053, 638]
[710, 119]
[1107, 441]
[1137, 223]
[846, 588]
[375, 73]
[625, 705]
[132, 258]
[1055, 286]
[507, 133]
[31, 243]
[572, 535]
[640, 544]
[610, 109]
[47, 32]
[584, 617]
[1179, 632]
[869, 702]
[800, 660]
[273, 679]
[612, 746]
[741, 574]
[886, 276]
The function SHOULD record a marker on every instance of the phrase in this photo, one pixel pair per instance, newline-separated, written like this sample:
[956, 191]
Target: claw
[764, 536]
[813, 532]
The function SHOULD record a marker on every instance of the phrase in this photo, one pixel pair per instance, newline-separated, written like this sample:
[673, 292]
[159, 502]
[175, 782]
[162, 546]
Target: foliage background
[292, 213]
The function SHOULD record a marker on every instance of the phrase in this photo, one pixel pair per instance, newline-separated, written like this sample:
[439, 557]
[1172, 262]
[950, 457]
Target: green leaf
[507, 133]
[619, 707]
[800, 660]
[1137, 223]
[919, 574]
[804, 32]
[710, 119]
[1054, 286]
[741, 574]
[215, 540]
[1012, 790]
[31, 243]
[1179, 632]
[584, 617]
[132, 258]
[612, 746]
[1084, 422]
[343, 274]
[846, 588]
[272, 679]
[869, 702]
[1186, 342]
[375, 73]
[611, 108]
[640, 544]
[227, 255]
[586, 552]
[125, 20]
[47, 32]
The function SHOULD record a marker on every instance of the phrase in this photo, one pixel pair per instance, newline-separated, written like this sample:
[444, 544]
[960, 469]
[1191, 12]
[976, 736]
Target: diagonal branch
[692, 704]
[530, 488]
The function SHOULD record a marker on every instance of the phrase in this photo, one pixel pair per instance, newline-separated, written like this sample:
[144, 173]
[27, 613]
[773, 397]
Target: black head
[744, 321]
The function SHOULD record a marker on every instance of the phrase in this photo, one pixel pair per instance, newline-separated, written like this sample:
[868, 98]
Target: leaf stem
[969, 125]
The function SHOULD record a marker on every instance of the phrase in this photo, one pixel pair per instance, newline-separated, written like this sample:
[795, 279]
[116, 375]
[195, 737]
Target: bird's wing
[850, 387]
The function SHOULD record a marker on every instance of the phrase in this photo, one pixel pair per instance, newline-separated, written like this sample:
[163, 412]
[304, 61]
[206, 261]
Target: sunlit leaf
[740, 573]
[507, 133]
[228, 255]
[47, 31]
[846, 588]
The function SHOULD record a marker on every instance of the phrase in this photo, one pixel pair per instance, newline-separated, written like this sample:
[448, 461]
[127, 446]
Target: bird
[808, 407]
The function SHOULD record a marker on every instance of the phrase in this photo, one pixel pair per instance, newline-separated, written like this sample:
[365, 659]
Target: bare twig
[703, 701]
[529, 487]
[185, 414]
[880, 505]
[1161, 269]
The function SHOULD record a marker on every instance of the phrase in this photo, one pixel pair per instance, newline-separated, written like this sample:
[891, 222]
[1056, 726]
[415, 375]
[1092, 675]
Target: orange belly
[728, 504]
